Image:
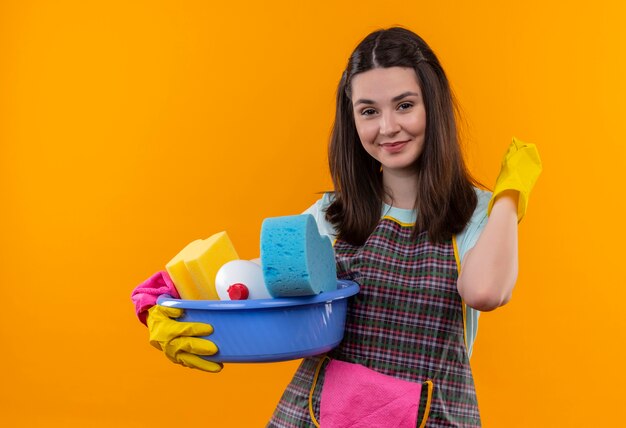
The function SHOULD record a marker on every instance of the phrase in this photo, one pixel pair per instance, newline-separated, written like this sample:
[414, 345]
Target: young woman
[427, 247]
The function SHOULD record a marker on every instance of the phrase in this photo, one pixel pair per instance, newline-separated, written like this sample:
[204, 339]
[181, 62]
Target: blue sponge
[296, 259]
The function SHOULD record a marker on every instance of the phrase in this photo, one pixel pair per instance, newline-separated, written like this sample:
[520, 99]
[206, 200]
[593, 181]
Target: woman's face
[390, 116]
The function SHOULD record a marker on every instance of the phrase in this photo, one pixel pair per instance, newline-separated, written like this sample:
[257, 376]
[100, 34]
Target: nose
[389, 124]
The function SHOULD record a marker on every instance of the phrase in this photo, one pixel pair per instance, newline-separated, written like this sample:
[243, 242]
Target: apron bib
[407, 322]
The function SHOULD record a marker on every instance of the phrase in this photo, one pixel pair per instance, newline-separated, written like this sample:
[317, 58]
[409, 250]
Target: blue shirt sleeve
[318, 211]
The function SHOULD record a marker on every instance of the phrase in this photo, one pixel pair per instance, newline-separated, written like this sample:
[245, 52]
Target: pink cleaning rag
[357, 397]
[145, 295]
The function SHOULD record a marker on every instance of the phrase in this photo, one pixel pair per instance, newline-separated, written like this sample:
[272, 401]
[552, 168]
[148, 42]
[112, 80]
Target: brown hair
[446, 198]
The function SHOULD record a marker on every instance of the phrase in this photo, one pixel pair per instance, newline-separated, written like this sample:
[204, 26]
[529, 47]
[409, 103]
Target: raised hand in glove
[521, 166]
[180, 341]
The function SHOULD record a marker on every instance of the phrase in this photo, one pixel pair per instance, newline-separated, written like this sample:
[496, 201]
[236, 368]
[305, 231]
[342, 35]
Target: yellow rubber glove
[520, 169]
[179, 341]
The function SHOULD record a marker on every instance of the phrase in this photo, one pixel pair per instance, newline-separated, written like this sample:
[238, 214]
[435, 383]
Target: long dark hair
[446, 198]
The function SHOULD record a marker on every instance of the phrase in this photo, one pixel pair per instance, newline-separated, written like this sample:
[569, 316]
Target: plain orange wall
[128, 129]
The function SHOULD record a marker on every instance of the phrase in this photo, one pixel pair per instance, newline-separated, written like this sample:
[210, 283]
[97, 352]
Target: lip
[394, 146]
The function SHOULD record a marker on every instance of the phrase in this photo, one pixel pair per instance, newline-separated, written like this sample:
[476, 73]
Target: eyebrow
[394, 99]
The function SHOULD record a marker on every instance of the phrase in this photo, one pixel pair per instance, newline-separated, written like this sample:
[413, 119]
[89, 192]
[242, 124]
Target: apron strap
[317, 373]
[428, 383]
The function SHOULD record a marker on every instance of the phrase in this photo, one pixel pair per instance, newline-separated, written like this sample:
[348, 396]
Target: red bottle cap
[238, 292]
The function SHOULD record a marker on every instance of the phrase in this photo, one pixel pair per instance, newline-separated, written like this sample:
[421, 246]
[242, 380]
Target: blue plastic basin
[268, 330]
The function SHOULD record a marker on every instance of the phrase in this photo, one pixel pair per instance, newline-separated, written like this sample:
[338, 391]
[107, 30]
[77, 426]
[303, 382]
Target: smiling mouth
[393, 144]
[394, 147]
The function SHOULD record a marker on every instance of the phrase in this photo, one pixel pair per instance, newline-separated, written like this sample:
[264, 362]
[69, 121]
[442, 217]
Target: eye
[405, 106]
[368, 112]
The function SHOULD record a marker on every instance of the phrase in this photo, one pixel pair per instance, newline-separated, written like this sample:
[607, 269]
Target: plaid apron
[407, 322]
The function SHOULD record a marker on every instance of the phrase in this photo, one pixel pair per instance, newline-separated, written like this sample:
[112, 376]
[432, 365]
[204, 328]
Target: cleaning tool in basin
[241, 280]
[193, 270]
[296, 259]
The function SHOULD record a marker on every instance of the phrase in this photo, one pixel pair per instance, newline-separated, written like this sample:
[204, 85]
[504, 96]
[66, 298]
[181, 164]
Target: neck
[400, 188]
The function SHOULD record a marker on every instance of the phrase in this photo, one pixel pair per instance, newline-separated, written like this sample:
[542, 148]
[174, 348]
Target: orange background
[128, 129]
